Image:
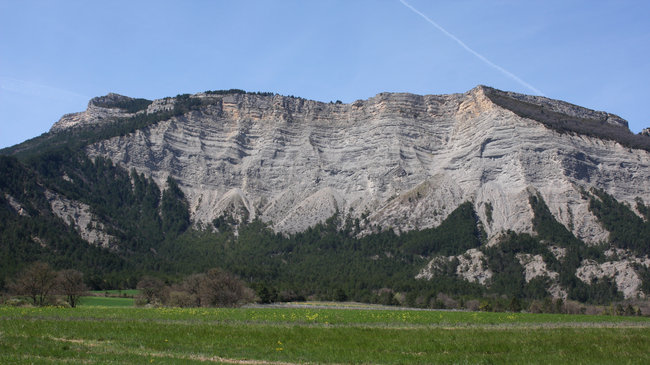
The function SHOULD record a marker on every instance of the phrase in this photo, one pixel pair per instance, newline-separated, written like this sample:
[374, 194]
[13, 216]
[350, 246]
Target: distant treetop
[238, 91]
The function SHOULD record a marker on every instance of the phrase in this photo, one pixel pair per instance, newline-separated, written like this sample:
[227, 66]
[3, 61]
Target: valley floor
[103, 335]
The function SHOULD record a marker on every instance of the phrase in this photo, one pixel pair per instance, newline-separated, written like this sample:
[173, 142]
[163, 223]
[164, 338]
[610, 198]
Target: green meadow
[117, 292]
[111, 335]
[106, 302]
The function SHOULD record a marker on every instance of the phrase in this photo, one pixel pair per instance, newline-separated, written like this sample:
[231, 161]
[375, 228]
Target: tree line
[213, 288]
[42, 284]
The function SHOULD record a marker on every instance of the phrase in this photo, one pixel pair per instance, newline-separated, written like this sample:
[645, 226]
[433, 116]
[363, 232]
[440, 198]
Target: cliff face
[100, 110]
[395, 160]
[480, 167]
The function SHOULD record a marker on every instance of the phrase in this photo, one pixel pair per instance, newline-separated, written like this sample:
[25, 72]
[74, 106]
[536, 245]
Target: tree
[223, 289]
[339, 295]
[152, 290]
[38, 281]
[71, 285]
[267, 295]
[192, 286]
[515, 305]
[174, 209]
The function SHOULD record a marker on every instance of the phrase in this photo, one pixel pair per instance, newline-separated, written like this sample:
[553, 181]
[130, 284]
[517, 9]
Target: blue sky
[54, 56]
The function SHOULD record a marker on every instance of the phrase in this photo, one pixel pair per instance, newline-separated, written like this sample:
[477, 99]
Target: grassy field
[109, 298]
[105, 335]
[106, 302]
[116, 293]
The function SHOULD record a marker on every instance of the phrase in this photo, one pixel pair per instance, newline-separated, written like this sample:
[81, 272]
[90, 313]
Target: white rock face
[94, 115]
[161, 105]
[470, 267]
[622, 271]
[78, 215]
[407, 160]
[535, 266]
[15, 204]
[429, 271]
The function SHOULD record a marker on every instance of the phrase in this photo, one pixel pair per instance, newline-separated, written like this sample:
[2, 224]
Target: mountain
[551, 180]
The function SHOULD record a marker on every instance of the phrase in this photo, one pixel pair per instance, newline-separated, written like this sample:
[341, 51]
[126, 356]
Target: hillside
[490, 190]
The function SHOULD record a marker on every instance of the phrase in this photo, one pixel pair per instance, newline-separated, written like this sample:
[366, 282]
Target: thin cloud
[470, 50]
[34, 89]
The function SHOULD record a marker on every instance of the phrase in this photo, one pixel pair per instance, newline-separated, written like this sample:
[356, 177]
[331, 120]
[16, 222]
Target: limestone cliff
[398, 160]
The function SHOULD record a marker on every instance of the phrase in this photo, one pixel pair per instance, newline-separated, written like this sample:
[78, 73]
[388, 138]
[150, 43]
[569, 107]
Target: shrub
[152, 291]
[472, 305]
[181, 299]
[192, 286]
[536, 307]
[447, 301]
[219, 288]
[485, 306]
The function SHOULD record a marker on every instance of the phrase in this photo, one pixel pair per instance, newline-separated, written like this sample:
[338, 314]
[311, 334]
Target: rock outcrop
[15, 204]
[622, 272]
[534, 266]
[645, 132]
[101, 110]
[79, 216]
[471, 267]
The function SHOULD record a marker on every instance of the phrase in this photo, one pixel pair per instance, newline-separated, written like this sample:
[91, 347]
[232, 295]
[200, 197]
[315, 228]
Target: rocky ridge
[395, 160]
[99, 111]
[405, 160]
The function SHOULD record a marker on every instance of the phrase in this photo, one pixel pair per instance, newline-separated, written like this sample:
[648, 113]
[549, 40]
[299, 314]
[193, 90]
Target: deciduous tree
[222, 289]
[37, 281]
[71, 285]
[152, 290]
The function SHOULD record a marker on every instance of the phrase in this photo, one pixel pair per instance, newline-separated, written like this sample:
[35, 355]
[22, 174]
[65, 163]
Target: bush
[536, 306]
[571, 307]
[222, 289]
[152, 291]
[182, 299]
[192, 285]
[485, 306]
[215, 288]
[447, 301]
[472, 305]
[290, 296]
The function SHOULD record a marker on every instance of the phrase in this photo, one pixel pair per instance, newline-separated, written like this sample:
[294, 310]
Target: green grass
[109, 298]
[106, 302]
[102, 335]
[117, 293]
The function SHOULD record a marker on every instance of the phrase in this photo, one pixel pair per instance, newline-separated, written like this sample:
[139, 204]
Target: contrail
[470, 50]
[38, 90]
